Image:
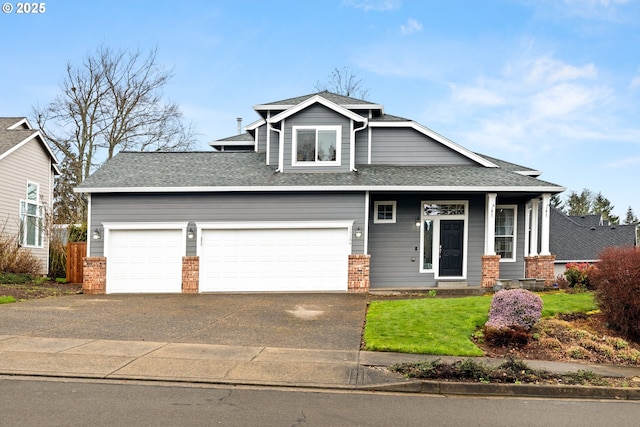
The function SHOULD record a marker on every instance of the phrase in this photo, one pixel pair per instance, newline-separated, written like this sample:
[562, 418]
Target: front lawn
[444, 326]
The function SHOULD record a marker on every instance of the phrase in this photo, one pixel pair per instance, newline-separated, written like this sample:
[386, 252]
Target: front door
[451, 247]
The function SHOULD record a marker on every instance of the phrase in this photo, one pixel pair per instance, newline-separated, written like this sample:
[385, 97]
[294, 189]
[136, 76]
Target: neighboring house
[582, 238]
[322, 193]
[27, 170]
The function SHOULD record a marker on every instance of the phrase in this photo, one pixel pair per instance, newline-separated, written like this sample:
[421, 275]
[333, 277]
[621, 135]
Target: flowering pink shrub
[514, 309]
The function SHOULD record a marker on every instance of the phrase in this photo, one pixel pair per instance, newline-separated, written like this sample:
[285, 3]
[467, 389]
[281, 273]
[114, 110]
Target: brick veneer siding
[540, 267]
[359, 273]
[531, 267]
[190, 274]
[94, 275]
[490, 270]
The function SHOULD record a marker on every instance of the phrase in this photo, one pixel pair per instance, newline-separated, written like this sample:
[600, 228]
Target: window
[318, 145]
[31, 218]
[505, 241]
[384, 212]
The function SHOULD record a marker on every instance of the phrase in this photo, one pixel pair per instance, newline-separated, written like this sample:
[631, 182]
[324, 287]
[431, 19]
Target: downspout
[353, 145]
[279, 131]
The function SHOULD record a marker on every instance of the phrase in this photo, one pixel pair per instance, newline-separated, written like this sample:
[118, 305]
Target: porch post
[533, 244]
[490, 224]
[544, 230]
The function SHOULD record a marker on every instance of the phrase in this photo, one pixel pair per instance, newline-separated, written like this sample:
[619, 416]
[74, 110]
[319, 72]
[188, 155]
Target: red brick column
[94, 275]
[546, 269]
[359, 273]
[531, 267]
[190, 274]
[490, 270]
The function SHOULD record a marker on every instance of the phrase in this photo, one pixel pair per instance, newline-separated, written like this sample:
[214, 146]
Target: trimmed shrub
[578, 274]
[617, 281]
[512, 314]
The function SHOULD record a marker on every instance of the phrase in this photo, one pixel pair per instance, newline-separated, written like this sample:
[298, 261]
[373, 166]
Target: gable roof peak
[342, 100]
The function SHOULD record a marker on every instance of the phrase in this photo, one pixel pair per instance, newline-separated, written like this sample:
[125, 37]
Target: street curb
[409, 387]
[510, 390]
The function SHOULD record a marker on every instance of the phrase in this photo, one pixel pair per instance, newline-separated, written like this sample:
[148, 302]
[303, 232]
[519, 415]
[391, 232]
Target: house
[322, 193]
[27, 170]
[581, 238]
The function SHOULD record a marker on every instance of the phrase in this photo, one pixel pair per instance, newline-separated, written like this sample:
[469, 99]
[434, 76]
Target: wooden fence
[76, 251]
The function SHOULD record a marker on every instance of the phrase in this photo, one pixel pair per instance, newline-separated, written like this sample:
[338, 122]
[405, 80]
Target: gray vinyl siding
[362, 146]
[29, 163]
[207, 207]
[273, 147]
[317, 115]
[262, 139]
[510, 269]
[405, 146]
[393, 246]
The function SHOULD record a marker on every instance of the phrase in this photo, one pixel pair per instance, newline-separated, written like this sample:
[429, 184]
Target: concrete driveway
[314, 321]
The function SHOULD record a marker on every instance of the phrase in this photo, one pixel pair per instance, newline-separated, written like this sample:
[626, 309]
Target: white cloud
[376, 5]
[635, 83]
[412, 26]
[551, 70]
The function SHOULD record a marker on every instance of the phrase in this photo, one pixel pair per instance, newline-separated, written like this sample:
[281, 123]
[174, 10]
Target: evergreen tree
[556, 202]
[602, 206]
[630, 217]
[579, 204]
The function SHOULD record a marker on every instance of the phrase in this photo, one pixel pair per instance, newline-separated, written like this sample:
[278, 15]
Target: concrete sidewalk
[237, 365]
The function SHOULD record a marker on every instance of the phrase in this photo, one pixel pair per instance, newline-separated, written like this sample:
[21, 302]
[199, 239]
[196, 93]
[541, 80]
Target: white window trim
[315, 163]
[435, 268]
[393, 212]
[515, 231]
[39, 237]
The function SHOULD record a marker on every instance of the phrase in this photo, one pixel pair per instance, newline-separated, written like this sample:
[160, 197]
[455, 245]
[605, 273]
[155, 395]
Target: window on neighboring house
[384, 212]
[31, 218]
[318, 145]
[505, 242]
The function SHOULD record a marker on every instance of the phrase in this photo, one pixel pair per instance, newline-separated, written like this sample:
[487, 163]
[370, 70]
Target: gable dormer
[315, 134]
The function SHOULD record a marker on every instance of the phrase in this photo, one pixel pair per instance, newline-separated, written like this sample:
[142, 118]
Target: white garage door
[145, 261]
[280, 259]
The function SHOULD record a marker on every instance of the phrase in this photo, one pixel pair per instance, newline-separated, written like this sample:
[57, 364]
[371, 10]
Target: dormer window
[316, 145]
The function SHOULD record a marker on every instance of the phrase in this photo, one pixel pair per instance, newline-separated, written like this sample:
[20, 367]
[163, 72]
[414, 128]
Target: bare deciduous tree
[113, 101]
[345, 82]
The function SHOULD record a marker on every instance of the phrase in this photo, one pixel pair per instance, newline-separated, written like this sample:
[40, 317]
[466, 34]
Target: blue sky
[553, 85]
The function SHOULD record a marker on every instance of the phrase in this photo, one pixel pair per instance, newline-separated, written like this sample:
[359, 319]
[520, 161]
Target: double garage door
[236, 259]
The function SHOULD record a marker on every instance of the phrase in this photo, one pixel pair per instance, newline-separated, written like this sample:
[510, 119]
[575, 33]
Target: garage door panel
[145, 261]
[274, 260]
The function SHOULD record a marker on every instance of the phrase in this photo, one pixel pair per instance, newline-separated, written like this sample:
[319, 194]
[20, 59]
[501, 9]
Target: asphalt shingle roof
[330, 96]
[11, 138]
[166, 170]
[572, 241]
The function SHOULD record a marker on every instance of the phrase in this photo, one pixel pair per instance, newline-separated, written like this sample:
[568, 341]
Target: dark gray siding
[392, 246]
[400, 146]
[317, 115]
[226, 207]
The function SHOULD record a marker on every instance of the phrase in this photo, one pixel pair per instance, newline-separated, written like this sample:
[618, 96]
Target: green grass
[6, 300]
[444, 326]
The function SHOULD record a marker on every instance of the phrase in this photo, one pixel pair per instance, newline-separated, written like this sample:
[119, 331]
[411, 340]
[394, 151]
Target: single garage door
[274, 259]
[145, 261]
